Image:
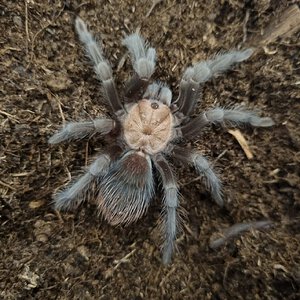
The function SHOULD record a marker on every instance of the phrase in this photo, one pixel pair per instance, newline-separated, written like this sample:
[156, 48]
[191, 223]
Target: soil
[46, 78]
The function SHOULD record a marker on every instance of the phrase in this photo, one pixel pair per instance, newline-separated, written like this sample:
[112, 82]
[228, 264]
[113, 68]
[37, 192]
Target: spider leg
[143, 61]
[235, 116]
[193, 77]
[170, 206]
[79, 130]
[101, 65]
[204, 169]
[76, 192]
[160, 92]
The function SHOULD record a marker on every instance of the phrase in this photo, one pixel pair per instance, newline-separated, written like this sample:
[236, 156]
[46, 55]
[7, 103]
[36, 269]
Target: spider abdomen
[126, 189]
[148, 126]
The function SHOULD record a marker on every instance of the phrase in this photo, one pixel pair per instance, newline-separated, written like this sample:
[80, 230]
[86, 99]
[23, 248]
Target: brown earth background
[45, 78]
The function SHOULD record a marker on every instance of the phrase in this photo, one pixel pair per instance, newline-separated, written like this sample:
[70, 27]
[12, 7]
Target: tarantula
[147, 126]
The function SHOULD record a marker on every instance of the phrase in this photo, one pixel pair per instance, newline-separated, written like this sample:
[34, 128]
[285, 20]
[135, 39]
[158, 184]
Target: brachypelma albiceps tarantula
[146, 127]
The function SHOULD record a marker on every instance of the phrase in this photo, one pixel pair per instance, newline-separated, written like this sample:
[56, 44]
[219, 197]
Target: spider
[146, 127]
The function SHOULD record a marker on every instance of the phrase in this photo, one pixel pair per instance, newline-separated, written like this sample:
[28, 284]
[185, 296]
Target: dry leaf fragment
[242, 141]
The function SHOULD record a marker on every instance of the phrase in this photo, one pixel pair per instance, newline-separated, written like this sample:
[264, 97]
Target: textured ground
[45, 78]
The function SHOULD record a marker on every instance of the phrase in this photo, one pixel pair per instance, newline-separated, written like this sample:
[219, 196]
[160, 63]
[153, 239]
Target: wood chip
[36, 204]
[284, 24]
[242, 141]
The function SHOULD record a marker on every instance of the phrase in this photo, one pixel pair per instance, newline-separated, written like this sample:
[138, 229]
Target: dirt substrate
[45, 77]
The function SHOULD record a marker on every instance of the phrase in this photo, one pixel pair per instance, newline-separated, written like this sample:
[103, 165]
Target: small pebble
[18, 21]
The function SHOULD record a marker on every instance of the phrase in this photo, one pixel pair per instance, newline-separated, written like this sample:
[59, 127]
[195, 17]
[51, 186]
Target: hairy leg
[204, 168]
[79, 130]
[160, 92]
[193, 77]
[143, 61]
[235, 116]
[170, 206]
[101, 65]
[76, 192]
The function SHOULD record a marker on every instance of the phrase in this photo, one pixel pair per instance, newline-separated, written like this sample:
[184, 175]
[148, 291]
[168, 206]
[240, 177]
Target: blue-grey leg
[193, 77]
[101, 65]
[170, 206]
[234, 116]
[76, 192]
[143, 61]
[204, 169]
[79, 130]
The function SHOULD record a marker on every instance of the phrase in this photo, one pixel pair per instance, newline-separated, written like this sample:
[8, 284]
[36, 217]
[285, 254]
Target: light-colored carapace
[148, 126]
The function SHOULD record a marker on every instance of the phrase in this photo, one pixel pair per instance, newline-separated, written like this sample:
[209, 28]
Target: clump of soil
[46, 79]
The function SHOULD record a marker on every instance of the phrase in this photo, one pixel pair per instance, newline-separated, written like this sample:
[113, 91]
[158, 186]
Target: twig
[154, 3]
[220, 156]
[59, 107]
[86, 153]
[4, 50]
[123, 260]
[7, 185]
[167, 276]
[26, 26]
[238, 229]
[228, 265]
[245, 25]
[9, 116]
[190, 231]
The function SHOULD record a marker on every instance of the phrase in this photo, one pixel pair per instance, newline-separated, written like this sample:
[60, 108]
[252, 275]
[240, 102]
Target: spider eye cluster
[154, 105]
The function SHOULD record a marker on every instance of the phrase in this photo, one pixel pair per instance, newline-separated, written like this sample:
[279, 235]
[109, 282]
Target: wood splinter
[242, 141]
